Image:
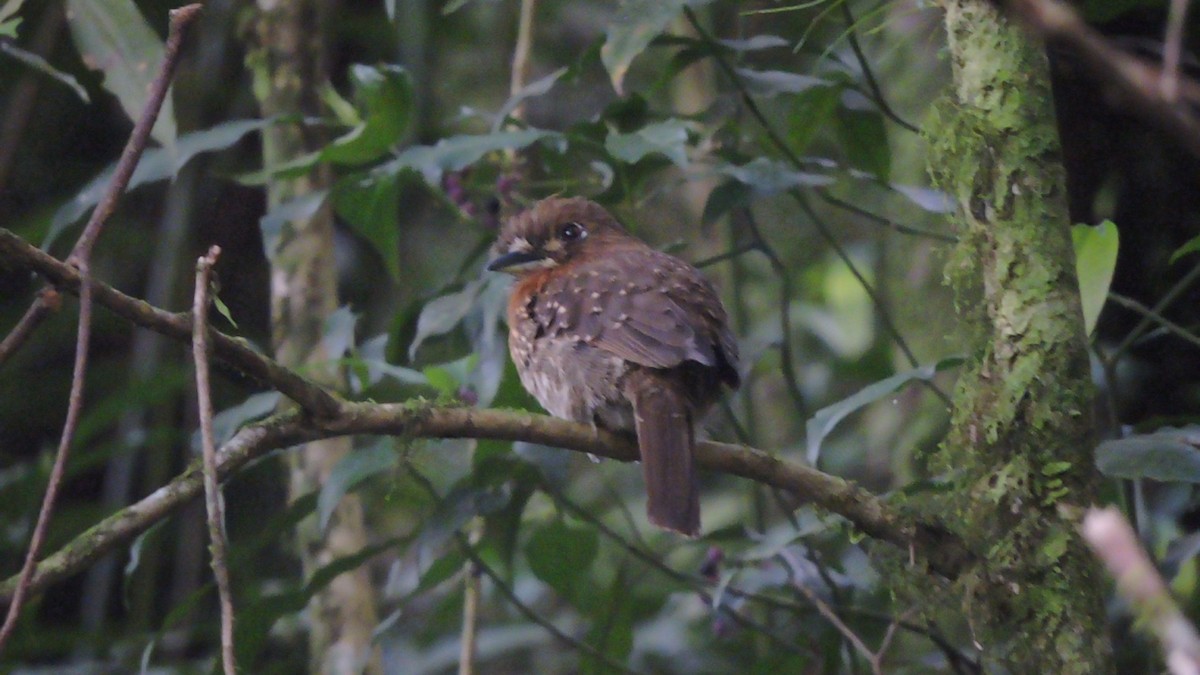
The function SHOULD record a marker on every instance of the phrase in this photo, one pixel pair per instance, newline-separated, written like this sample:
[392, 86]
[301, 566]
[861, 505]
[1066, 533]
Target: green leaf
[668, 138]
[353, 469]
[442, 314]
[726, 197]
[228, 421]
[223, 310]
[771, 83]
[809, 111]
[371, 205]
[1095, 261]
[38, 63]
[298, 209]
[10, 8]
[156, 164]
[1191, 246]
[560, 555]
[8, 29]
[458, 152]
[637, 23]
[386, 94]
[823, 422]
[113, 37]
[767, 176]
[864, 140]
[531, 90]
[1168, 454]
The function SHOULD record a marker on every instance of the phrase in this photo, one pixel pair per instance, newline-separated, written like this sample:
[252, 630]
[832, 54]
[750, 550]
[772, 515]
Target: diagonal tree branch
[313, 398]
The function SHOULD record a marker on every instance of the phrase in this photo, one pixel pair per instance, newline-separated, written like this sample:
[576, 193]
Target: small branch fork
[213, 501]
[79, 260]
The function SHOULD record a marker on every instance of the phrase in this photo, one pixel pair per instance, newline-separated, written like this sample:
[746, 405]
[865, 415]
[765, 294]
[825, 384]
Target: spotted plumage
[605, 330]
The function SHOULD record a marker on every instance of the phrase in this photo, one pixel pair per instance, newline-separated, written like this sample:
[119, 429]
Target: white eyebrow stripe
[520, 245]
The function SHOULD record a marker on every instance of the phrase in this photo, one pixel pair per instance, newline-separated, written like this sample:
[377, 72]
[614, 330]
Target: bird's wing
[646, 307]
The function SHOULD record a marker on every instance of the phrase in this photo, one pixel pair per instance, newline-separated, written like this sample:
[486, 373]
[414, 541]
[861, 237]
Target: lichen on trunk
[1019, 450]
[289, 66]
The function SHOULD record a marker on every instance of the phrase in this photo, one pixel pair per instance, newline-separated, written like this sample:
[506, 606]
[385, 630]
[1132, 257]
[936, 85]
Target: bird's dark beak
[517, 261]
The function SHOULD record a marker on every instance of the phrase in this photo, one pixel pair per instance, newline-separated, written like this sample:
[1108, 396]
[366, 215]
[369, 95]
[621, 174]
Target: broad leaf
[668, 138]
[386, 95]
[1168, 454]
[353, 469]
[299, 209]
[156, 164]
[767, 177]
[228, 421]
[823, 422]
[1191, 246]
[532, 90]
[771, 83]
[113, 37]
[1095, 261]
[863, 136]
[637, 23]
[442, 314]
[458, 152]
[371, 205]
[561, 555]
[37, 62]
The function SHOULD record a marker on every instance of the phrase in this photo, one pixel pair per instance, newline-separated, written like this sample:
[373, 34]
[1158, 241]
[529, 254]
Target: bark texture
[289, 66]
[1020, 448]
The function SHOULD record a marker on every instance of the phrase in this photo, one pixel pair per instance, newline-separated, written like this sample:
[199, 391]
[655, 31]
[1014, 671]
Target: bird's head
[552, 233]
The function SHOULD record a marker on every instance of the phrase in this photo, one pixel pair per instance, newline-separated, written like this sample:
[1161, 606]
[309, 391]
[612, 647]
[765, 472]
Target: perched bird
[605, 330]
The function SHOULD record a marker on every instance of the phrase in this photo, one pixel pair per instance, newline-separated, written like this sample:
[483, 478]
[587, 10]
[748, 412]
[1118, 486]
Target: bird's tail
[666, 438]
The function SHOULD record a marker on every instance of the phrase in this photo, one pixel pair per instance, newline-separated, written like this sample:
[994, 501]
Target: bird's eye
[571, 231]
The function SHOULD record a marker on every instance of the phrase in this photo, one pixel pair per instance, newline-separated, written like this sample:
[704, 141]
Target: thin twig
[470, 621]
[528, 612]
[520, 61]
[312, 397]
[872, 84]
[786, 357]
[1168, 298]
[74, 406]
[180, 19]
[1171, 327]
[1138, 581]
[213, 500]
[1172, 48]
[881, 220]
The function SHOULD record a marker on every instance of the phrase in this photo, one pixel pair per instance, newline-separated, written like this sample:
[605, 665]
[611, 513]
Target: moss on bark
[1021, 440]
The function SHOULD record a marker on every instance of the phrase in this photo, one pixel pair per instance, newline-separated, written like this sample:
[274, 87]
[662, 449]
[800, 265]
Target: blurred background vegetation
[831, 267]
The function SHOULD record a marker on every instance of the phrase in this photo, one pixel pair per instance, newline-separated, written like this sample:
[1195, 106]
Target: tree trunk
[1020, 447]
[289, 66]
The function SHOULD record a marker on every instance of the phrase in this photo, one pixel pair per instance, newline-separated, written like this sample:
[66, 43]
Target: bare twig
[1138, 581]
[520, 61]
[877, 219]
[312, 397]
[1172, 48]
[533, 616]
[180, 19]
[74, 406]
[213, 501]
[1147, 320]
[470, 623]
[1136, 81]
[1171, 327]
[868, 75]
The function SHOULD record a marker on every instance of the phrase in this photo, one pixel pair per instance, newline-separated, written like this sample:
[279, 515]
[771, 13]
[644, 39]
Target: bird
[607, 331]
